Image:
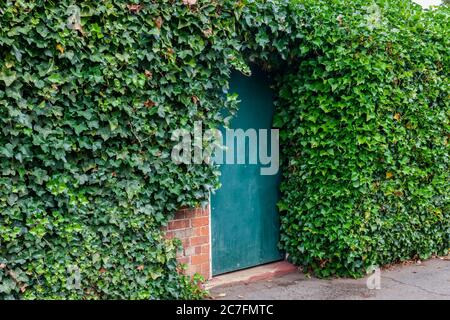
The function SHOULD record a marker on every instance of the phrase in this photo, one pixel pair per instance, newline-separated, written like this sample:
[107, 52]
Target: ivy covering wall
[89, 101]
[365, 122]
[87, 112]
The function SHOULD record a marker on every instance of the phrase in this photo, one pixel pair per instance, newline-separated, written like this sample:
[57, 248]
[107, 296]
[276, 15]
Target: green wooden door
[244, 217]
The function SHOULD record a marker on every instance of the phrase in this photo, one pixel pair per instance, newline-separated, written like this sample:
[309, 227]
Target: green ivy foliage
[87, 111]
[88, 107]
[365, 136]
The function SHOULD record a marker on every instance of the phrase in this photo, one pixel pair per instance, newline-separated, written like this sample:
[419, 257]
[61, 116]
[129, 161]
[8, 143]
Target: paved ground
[422, 280]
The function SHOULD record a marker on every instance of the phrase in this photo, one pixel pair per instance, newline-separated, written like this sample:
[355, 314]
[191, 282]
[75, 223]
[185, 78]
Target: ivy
[365, 121]
[90, 95]
[87, 108]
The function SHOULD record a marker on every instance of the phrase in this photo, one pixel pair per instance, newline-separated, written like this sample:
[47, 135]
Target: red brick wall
[191, 226]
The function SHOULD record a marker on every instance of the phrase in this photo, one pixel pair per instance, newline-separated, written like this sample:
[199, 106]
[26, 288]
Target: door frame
[210, 237]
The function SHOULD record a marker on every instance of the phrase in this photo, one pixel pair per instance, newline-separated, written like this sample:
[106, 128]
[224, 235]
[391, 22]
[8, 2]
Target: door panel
[245, 221]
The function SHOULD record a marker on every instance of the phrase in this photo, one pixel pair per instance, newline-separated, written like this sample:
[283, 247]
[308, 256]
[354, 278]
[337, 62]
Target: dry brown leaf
[159, 22]
[148, 74]
[134, 8]
[208, 32]
[149, 103]
[189, 2]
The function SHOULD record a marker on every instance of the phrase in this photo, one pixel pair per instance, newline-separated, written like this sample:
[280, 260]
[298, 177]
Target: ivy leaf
[55, 78]
[8, 77]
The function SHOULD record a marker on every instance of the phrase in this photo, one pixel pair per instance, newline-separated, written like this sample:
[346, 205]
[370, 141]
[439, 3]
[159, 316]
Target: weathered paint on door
[245, 221]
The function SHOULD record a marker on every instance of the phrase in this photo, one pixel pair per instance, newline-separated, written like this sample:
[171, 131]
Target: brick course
[191, 226]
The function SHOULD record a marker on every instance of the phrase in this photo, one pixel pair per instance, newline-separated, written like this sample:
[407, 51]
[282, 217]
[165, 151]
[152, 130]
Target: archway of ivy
[361, 104]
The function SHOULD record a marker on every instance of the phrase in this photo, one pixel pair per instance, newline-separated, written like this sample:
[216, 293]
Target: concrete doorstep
[263, 272]
[422, 280]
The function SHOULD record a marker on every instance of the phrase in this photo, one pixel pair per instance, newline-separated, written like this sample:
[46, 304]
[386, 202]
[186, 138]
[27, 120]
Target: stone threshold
[262, 272]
